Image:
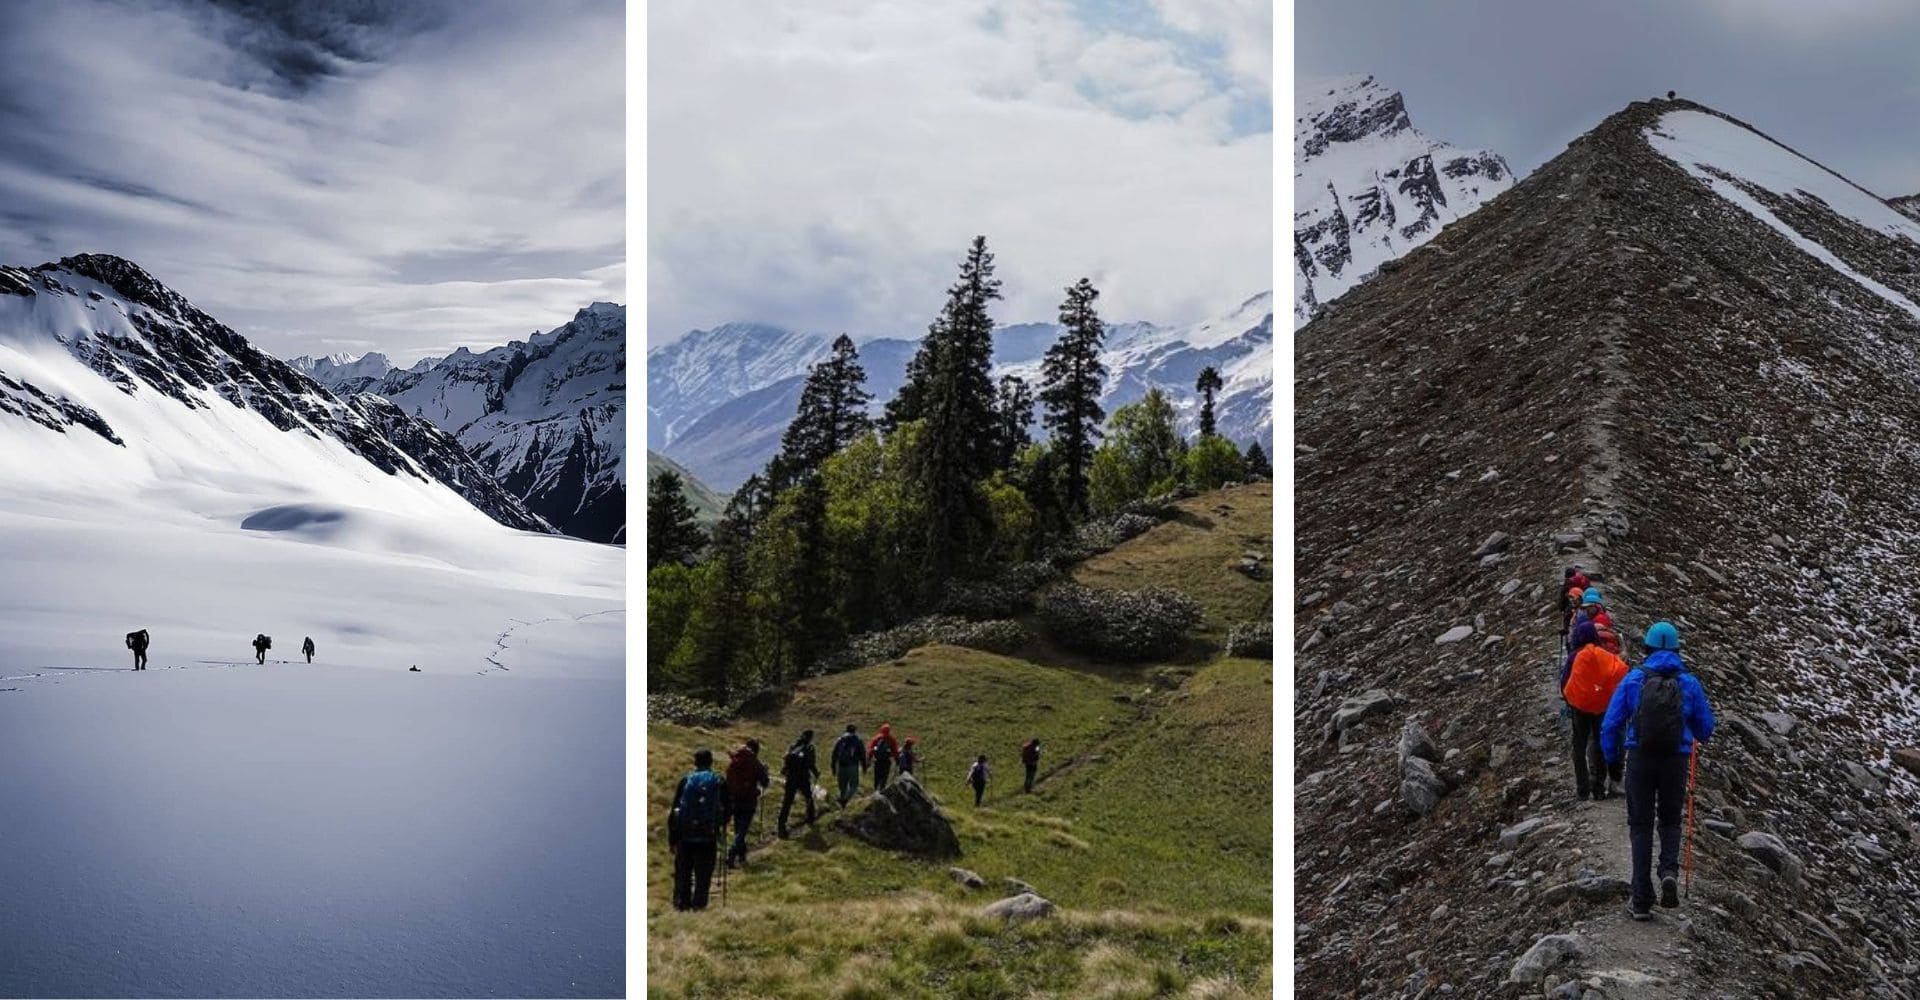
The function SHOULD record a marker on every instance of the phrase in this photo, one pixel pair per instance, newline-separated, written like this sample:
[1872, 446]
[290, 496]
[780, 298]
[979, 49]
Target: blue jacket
[1697, 716]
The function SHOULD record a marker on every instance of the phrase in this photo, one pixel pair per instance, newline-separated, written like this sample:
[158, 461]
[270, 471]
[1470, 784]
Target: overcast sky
[824, 169]
[1838, 80]
[393, 175]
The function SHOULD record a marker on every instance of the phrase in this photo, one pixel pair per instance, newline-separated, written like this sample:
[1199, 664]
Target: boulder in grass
[1016, 909]
[902, 817]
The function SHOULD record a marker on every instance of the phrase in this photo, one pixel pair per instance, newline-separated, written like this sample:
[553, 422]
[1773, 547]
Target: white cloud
[827, 170]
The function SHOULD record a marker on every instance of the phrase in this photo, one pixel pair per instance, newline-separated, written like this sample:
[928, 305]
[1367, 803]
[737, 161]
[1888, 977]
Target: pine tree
[1208, 384]
[791, 569]
[832, 413]
[672, 535]
[1257, 464]
[1071, 377]
[958, 410]
[719, 631]
[905, 406]
[1015, 412]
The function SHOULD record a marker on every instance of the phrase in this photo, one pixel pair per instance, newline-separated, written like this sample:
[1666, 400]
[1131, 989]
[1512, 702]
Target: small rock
[1453, 635]
[1440, 912]
[1772, 852]
[1496, 542]
[1507, 588]
[1547, 954]
[1420, 786]
[1596, 888]
[971, 880]
[1909, 759]
[1018, 909]
[1414, 742]
[1359, 707]
[1511, 837]
[1015, 887]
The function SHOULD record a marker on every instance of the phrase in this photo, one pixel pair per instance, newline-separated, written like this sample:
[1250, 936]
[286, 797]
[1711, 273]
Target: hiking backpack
[1659, 723]
[795, 763]
[1030, 753]
[1609, 639]
[882, 751]
[699, 808]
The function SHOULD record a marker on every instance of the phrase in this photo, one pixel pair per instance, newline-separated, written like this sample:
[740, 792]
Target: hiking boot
[1669, 892]
[1639, 914]
[1614, 790]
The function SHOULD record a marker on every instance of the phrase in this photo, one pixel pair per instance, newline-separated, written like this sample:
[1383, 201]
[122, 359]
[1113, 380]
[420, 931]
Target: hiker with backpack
[261, 643]
[882, 751]
[694, 827]
[746, 778]
[1576, 584]
[977, 777]
[798, 769]
[848, 758]
[1587, 685]
[137, 641]
[1654, 720]
[307, 648]
[1030, 756]
[909, 756]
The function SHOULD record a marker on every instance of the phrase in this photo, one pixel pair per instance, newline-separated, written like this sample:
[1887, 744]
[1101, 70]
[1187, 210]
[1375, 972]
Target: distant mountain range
[719, 399]
[1368, 186]
[707, 505]
[546, 417]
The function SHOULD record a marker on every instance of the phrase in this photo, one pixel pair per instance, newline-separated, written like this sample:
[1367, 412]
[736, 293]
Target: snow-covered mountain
[546, 417]
[1907, 205]
[1368, 186]
[719, 399]
[107, 370]
[338, 370]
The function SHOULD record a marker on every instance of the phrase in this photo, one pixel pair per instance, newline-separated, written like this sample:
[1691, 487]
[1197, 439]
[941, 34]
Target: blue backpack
[698, 808]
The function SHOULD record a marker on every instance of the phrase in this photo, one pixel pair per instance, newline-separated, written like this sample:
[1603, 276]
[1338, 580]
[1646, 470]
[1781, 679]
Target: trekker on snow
[694, 828]
[1655, 716]
[261, 643]
[137, 641]
[848, 758]
[746, 779]
[1030, 756]
[908, 756]
[798, 769]
[977, 776]
[1587, 684]
[307, 648]
[882, 750]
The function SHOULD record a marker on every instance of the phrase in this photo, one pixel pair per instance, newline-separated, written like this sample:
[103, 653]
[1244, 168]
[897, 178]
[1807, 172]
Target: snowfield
[213, 827]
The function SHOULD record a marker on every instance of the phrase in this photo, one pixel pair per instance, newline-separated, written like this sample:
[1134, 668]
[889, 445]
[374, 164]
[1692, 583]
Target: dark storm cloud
[405, 176]
[1838, 81]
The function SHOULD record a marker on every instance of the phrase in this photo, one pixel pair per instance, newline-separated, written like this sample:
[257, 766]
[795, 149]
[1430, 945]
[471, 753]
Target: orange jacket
[1595, 674]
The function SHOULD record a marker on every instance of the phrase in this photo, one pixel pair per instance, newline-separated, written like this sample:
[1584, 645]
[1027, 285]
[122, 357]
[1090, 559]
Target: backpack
[262, 641]
[846, 750]
[1030, 753]
[743, 775]
[882, 750]
[977, 774]
[699, 808]
[1609, 639]
[1592, 678]
[798, 761]
[137, 640]
[1659, 723]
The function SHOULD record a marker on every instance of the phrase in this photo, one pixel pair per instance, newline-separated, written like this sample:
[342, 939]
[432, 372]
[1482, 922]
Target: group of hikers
[706, 802]
[1636, 732]
[138, 641]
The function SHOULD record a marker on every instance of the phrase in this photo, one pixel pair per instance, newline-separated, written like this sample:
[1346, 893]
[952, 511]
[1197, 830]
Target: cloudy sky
[1838, 80]
[393, 175]
[824, 169]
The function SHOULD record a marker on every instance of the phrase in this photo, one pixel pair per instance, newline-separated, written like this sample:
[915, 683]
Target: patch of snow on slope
[1698, 141]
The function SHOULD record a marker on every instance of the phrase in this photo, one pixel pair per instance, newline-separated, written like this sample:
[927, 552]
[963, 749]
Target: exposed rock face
[902, 817]
[1368, 186]
[1672, 281]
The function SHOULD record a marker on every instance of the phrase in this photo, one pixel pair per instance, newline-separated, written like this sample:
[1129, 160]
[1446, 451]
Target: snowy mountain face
[1683, 357]
[336, 371]
[94, 350]
[1369, 186]
[749, 397]
[1908, 205]
[545, 417]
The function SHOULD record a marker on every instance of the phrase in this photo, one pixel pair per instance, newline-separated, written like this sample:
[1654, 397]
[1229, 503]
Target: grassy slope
[707, 504]
[1196, 552]
[1151, 826]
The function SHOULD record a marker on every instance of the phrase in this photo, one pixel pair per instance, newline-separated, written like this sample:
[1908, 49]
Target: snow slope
[212, 827]
[1369, 186]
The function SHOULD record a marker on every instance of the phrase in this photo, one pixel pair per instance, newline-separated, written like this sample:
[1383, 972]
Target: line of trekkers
[706, 802]
[138, 641]
[1634, 731]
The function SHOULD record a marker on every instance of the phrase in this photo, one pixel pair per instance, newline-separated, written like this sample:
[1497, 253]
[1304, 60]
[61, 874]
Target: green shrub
[681, 710]
[1129, 624]
[868, 648]
[1251, 639]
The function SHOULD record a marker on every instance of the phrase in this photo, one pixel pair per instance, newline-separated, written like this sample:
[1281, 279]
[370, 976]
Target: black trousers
[1031, 768]
[979, 790]
[743, 810]
[800, 788]
[139, 659]
[881, 767]
[1587, 759]
[692, 875]
[1656, 799]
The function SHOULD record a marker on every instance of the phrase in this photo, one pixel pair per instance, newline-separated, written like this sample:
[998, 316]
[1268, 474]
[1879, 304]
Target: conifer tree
[832, 413]
[1015, 411]
[672, 535]
[1257, 464]
[719, 630]
[791, 568]
[958, 412]
[904, 407]
[1070, 383]
[1208, 384]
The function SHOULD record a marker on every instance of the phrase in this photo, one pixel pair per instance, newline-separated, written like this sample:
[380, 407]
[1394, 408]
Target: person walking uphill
[137, 641]
[883, 750]
[746, 779]
[694, 828]
[1575, 585]
[1587, 685]
[798, 769]
[849, 758]
[1030, 756]
[977, 777]
[1657, 715]
[261, 643]
[307, 648]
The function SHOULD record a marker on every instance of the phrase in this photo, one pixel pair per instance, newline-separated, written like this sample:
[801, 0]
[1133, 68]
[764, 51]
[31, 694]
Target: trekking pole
[723, 883]
[1693, 768]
